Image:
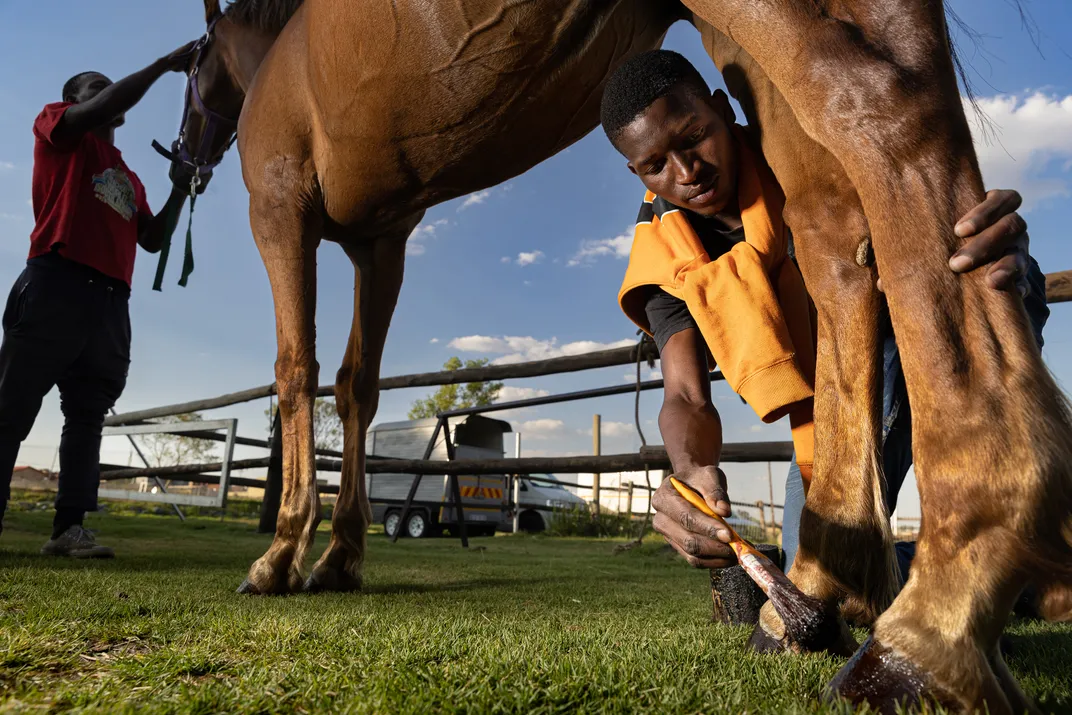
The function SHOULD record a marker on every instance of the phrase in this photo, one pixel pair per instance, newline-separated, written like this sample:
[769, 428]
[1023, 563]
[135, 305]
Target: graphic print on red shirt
[86, 199]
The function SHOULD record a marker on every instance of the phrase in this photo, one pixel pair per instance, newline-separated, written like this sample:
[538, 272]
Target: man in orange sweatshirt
[709, 239]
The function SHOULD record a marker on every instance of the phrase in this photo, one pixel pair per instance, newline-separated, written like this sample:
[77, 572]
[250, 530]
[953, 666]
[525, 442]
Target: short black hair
[641, 80]
[71, 86]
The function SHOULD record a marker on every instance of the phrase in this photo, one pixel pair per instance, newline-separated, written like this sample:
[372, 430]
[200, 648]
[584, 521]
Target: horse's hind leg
[873, 82]
[288, 238]
[378, 266]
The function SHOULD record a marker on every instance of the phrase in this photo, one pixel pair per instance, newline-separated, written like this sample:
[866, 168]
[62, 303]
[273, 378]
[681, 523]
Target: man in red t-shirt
[66, 322]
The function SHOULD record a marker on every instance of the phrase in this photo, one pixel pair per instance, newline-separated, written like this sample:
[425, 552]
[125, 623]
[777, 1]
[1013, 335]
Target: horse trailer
[485, 499]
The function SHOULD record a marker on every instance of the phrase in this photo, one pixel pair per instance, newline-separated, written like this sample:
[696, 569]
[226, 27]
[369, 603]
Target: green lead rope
[188, 258]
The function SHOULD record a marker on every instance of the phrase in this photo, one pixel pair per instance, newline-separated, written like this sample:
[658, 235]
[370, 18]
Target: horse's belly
[419, 103]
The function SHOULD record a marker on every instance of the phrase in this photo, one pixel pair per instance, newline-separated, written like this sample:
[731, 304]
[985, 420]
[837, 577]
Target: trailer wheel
[417, 525]
[391, 522]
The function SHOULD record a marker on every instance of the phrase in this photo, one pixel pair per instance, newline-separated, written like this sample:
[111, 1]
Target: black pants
[65, 325]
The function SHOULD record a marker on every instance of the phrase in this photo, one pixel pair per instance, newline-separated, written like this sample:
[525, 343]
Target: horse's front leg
[845, 556]
[288, 239]
[873, 82]
[846, 552]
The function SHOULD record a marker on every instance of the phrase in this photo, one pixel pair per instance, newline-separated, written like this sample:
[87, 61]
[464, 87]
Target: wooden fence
[1058, 289]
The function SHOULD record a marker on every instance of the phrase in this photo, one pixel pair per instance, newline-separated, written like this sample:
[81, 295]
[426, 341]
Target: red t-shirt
[86, 200]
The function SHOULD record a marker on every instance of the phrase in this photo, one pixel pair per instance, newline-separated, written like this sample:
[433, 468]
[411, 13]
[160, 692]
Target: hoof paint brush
[806, 620]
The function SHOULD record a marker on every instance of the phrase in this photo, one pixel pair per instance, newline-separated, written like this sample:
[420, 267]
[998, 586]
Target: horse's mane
[1027, 23]
[266, 15]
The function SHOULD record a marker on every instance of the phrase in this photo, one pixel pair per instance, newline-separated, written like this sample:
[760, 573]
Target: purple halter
[199, 164]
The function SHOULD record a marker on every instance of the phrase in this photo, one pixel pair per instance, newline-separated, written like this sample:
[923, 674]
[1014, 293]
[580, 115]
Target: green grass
[526, 624]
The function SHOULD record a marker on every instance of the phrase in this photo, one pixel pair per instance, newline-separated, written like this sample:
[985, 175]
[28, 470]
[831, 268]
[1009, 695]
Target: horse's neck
[244, 58]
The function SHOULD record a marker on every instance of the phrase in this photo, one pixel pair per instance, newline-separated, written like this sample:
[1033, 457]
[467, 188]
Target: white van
[538, 502]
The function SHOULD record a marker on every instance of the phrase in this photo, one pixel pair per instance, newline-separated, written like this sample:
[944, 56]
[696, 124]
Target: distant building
[614, 489]
[25, 477]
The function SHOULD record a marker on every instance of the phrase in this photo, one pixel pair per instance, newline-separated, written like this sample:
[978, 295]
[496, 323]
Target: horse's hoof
[798, 623]
[337, 580]
[271, 584]
[248, 588]
[878, 676]
[762, 642]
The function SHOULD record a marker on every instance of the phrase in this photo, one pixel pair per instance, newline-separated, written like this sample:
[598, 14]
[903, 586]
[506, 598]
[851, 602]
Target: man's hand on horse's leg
[696, 536]
[995, 237]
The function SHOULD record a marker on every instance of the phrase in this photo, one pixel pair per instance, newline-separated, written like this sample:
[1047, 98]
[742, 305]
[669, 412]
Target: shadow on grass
[161, 563]
[1046, 659]
[391, 589]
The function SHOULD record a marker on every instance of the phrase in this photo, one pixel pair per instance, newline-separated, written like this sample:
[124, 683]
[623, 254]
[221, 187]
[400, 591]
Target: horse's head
[214, 96]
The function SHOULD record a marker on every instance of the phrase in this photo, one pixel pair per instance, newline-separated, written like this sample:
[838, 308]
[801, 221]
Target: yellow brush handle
[692, 497]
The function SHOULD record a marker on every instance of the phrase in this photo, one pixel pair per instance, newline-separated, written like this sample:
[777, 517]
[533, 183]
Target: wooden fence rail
[536, 368]
[1058, 290]
[1059, 287]
[649, 457]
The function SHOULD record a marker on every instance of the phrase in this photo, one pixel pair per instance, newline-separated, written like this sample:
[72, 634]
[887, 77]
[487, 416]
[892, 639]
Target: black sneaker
[77, 542]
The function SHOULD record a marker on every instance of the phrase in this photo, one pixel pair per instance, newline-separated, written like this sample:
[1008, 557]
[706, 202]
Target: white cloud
[1026, 144]
[756, 428]
[424, 231]
[474, 199]
[516, 349]
[477, 344]
[592, 250]
[613, 429]
[11, 217]
[506, 259]
[509, 393]
[540, 429]
[652, 375]
[6, 165]
[433, 341]
[429, 229]
[527, 259]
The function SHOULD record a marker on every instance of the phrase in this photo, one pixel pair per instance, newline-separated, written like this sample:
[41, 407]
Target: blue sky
[492, 275]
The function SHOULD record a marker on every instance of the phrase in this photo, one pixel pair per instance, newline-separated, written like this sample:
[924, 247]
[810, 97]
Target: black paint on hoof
[884, 680]
[736, 597]
[811, 626]
[762, 642]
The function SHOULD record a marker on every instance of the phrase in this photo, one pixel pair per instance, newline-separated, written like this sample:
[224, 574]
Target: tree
[454, 397]
[165, 450]
[327, 427]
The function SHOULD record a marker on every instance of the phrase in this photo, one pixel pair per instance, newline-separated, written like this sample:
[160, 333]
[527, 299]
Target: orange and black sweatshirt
[750, 304]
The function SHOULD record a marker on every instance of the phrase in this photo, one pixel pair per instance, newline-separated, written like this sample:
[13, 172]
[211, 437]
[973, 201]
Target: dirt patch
[99, 651]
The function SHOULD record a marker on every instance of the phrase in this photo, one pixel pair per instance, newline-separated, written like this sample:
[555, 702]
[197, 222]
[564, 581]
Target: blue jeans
[897, 428]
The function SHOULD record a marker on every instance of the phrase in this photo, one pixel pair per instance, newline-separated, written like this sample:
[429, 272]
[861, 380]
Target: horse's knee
[356, 398]
[296, 377]
[344, 392]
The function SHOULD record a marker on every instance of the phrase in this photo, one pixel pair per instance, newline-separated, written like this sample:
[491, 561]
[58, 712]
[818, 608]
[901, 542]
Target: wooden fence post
[596, 449]
[273, 486]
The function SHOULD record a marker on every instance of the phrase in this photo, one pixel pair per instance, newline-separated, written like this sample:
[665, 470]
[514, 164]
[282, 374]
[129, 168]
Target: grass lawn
[524, 624]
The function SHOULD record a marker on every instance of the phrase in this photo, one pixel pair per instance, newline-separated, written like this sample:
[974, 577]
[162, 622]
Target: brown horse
[358, 116]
